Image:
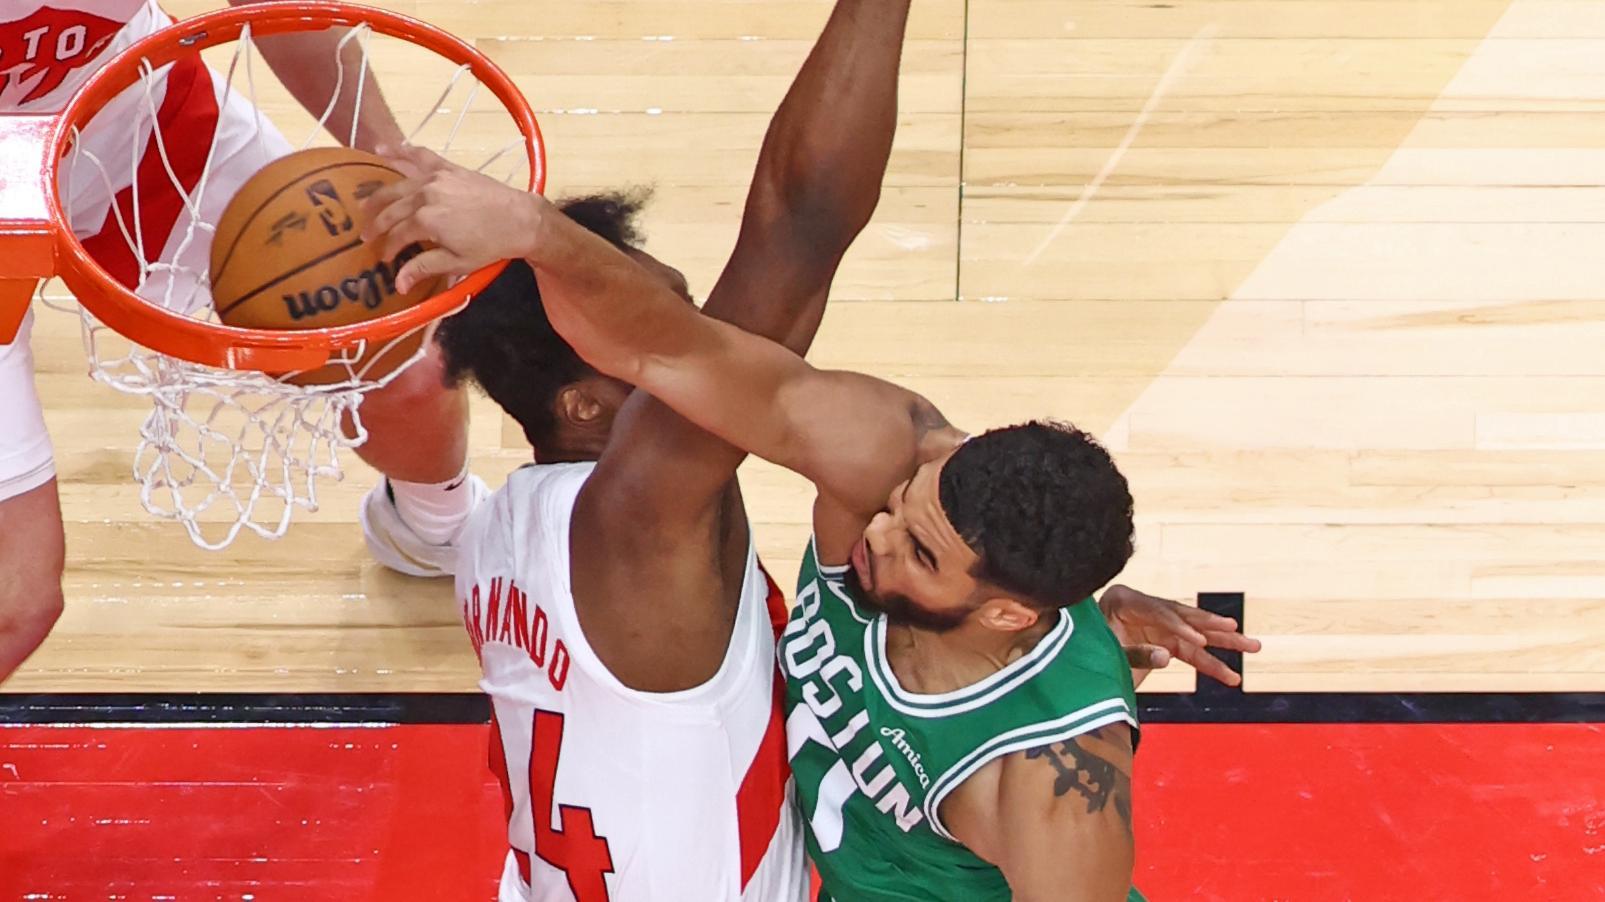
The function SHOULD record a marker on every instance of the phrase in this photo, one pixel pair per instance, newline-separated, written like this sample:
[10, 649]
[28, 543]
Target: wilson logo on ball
[369, 288]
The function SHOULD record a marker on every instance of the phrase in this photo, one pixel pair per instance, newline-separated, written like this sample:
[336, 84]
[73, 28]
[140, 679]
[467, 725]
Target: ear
[577, 405]
[1006, 615]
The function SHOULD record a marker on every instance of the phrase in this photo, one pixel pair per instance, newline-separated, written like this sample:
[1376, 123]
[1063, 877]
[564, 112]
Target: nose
[876, 529]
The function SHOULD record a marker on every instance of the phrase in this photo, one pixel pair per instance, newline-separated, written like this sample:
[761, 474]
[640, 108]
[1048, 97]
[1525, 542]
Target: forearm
[825, 155]
[818, 177]
[305, 62]
[747, 390]
[612, 311]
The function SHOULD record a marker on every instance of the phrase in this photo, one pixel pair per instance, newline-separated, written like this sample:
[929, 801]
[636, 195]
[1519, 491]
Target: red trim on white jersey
[762, 796]
[187, 125]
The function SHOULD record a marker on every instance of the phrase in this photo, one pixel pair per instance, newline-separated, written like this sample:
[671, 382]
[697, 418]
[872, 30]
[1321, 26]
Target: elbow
[818, 212]
[634, 369]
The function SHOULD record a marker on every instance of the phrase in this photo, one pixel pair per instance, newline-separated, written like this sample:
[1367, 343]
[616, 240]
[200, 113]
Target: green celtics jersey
[873, 761]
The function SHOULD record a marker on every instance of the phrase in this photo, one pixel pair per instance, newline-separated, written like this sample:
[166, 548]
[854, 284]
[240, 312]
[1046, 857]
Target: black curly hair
[1044, 507]
[502, 339]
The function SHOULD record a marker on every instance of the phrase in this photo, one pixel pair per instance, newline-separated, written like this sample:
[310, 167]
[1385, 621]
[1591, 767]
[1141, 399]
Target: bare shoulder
[1091, 772]
[1056, 819]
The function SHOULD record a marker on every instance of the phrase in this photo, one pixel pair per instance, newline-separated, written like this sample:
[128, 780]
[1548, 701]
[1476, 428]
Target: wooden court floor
[1326, 275]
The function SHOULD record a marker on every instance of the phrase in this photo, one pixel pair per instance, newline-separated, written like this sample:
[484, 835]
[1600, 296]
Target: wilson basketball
[288, 254]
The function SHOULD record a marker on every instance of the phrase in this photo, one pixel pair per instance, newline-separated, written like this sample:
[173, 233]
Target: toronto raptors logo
[39, 52]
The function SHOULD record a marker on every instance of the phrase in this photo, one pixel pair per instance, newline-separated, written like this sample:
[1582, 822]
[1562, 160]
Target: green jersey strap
[1062, 729]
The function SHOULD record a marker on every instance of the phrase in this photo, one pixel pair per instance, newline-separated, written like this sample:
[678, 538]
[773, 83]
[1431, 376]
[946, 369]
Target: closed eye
[923, 553]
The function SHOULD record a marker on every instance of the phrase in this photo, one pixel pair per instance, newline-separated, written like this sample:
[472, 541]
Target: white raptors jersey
[163, 139]
[616, 795]
[46, 46]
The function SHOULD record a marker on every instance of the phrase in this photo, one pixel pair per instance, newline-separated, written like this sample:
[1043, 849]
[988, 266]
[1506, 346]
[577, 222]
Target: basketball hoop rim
[231, 347]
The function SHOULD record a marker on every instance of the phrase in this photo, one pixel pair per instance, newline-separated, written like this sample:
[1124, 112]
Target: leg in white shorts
[31, 544]
[187, 117]
[25, 458]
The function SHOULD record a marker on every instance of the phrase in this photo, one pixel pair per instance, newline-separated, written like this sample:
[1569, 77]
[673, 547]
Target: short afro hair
[503, 341]
[1044, 507]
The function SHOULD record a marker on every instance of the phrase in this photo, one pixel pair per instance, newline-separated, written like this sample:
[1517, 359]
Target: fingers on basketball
[410, 231]
[425, 267]
[413, 161]
[388, 206]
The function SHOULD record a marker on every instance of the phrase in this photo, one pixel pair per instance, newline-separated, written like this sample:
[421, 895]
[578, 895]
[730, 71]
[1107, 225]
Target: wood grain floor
[1325, 274]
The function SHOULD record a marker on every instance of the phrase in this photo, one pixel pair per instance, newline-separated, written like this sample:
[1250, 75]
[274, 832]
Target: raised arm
[663, 492]
[305, 63]
[1056, 820]
[818, 178]
[816, 186]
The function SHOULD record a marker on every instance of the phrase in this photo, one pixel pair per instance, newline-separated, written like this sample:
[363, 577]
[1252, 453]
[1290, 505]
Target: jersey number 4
[573, 846]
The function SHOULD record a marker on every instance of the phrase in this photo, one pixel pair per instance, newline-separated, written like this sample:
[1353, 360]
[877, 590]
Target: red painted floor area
[304, 813]
[1373, 812]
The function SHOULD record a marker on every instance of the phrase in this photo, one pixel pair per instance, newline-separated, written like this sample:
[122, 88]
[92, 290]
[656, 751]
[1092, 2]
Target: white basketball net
[223, 451]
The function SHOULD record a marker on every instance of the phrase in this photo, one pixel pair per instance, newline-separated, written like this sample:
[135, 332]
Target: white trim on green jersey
[1032, 736]
[975, 695]
[832, 577]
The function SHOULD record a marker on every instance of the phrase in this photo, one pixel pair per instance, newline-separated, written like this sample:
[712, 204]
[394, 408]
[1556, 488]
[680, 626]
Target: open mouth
[860, 561]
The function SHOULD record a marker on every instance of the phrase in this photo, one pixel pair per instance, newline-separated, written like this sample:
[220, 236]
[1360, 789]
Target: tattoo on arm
[1082, 770]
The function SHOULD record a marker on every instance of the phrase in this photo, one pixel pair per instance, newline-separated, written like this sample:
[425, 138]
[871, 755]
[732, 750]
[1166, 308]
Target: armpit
[934, 436]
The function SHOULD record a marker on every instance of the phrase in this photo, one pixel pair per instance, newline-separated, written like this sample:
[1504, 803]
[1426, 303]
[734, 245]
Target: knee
[420, 386]
[417, 397]
[31, 605]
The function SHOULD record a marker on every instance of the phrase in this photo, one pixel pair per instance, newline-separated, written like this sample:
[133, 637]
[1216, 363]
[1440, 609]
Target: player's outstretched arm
[663, 488]
[306, 63]
[1055, 819]
[844, 431]
[847, 432]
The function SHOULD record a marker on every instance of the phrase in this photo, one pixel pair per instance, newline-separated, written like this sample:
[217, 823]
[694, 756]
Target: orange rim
[266, 350]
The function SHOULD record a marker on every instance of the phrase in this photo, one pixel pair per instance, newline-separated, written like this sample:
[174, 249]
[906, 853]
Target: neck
[930, 662]
[570, 449]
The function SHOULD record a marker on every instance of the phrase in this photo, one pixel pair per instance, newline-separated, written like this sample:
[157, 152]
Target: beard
[900, 610]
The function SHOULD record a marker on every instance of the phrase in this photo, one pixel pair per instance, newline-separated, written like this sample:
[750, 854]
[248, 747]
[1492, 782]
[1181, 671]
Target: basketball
[288, 254]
